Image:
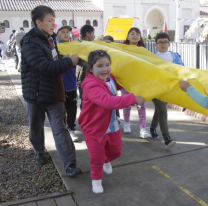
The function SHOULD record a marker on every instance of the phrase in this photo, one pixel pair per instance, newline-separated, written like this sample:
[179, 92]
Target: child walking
[70, 85]
[98, 119]
[134, 38]
[162, 42]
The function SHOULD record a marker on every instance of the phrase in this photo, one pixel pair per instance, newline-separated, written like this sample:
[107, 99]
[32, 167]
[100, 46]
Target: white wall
[143, 7]
[16, 21]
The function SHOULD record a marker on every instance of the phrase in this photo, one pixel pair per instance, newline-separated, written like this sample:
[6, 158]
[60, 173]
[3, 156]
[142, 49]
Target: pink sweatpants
[141, 112]
[108, 149]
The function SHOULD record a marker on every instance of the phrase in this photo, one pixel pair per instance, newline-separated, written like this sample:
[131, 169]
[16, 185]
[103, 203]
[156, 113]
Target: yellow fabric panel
[118, 28]
[143, 73]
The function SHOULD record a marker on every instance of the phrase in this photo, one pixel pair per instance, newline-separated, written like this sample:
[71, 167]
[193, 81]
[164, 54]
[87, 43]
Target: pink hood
[98, 103]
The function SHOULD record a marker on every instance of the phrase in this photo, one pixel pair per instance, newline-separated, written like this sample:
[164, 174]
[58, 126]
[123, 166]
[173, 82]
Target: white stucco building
[154, 13]
[16, 14]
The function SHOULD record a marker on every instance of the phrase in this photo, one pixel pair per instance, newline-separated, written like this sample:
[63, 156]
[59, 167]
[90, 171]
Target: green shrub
[171, 33]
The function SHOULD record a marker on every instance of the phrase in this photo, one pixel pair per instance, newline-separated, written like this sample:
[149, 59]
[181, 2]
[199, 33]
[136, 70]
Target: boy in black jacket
[43, 88]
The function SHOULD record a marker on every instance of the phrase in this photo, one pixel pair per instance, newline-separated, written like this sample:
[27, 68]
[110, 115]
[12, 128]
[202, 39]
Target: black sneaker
[72, 170]
[40, 159]
[169, 142]
[153, 133]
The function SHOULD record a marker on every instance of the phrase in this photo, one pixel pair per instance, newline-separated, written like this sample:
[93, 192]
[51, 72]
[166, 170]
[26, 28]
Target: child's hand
[66, 56]
[184, 85]
[139, 100]
[75, 59]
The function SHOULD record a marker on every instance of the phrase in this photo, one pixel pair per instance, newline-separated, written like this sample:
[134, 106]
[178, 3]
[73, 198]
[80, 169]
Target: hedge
[171, 33]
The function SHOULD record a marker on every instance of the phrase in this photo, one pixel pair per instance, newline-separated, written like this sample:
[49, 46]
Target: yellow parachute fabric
[144, 74]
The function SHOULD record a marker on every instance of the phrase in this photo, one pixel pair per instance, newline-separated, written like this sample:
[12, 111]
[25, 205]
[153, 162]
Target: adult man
[17, 37]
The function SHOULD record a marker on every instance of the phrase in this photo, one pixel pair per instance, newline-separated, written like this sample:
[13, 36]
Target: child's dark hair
[162, 35]
[96, 55]
[140, 43]
[39, 13]
[85, 29]
[108, 38]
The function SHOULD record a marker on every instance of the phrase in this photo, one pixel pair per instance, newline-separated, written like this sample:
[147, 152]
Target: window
[186, 28]
[64, 22]
[6, 23]
[95, 23]
[25, 24]
[32, 24]
[88, 22]
[71, 23]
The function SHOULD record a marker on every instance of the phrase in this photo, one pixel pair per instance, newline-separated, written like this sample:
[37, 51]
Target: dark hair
[39, 13]
[140, 43]
[108, 38]
[13, 31]
[96, 55]
[162, 35]
[85, 29]
[21, 28]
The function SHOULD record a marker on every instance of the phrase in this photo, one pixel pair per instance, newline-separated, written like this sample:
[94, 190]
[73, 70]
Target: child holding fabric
[98, 119]
[199, 98]
[162, 42]
[134, 38]
[70, 85]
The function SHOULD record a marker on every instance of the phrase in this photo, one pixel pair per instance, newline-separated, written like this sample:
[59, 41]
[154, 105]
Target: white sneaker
[126, 127]
[144, 133]
[73, 136]
[107, 168]
[97, 186]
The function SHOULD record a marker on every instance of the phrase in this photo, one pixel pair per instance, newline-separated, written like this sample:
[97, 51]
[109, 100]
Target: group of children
[98, 119]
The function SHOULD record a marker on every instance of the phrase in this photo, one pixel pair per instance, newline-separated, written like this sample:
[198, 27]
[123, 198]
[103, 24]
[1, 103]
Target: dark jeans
[80, 95]
[56, 114]
[160, 115]
[71, 108]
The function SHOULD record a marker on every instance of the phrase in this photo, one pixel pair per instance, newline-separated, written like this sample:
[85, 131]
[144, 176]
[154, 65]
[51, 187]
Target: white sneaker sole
[171, 144]
[126, 132]
[98, 192]
[146, 135]
[155, 137]
[75, 139]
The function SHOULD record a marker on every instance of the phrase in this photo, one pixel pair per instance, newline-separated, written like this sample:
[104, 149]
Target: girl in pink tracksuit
[98, 119]
[134, 38]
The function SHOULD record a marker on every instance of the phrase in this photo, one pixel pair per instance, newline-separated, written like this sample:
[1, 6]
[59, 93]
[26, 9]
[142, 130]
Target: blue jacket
[176, 58]
[69, 77]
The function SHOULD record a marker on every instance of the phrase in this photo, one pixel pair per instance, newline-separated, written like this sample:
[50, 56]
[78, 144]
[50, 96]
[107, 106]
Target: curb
[189, 112]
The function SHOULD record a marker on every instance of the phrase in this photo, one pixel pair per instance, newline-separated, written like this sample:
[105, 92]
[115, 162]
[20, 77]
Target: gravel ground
[20, 176]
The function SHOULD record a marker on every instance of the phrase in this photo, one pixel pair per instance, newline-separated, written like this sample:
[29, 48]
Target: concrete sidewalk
[146, 174]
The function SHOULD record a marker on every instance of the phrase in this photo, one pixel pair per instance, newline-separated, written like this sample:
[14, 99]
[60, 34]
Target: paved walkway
[146, 174]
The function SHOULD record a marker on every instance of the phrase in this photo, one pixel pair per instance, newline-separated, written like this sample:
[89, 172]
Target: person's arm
[179, 60]
[13, 39]
[33, 54]
[104, 99]
[199, 98]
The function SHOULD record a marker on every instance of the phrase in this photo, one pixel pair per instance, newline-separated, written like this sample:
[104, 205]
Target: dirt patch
[20, 176]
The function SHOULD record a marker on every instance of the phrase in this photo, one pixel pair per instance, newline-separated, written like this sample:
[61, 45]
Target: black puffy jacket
[38, 69]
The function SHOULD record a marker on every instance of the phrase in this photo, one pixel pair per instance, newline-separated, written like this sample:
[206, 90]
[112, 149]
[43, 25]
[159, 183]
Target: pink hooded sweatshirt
[97, 105]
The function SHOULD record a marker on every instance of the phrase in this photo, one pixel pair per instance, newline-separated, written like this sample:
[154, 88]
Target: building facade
[16, 14]
[154, 13]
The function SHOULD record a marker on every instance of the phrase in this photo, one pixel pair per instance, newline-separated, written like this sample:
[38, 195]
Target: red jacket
[97, 105]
